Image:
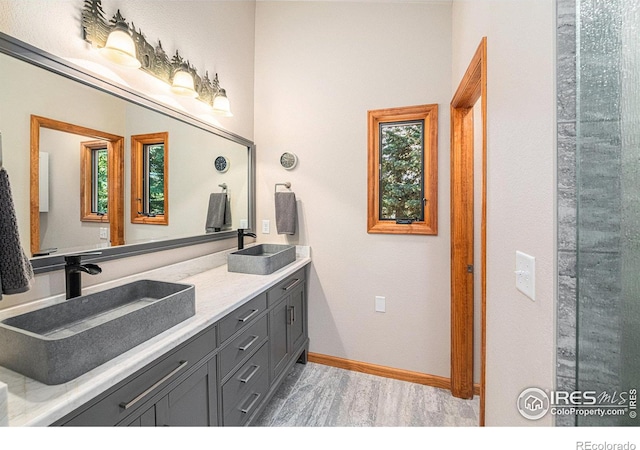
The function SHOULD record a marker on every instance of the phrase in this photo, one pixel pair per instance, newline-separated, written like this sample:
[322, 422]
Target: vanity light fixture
[221, 104]
[183, 83]
[120, 47]
[124, 44]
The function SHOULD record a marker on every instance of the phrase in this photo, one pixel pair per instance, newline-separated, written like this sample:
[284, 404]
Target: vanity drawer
[241, 347]
[284, 287]
[239, 386]
[242, 316]
[142, 386]
[238, 414]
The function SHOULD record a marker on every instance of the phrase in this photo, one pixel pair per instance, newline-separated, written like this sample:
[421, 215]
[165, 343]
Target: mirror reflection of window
[94, 191]
[99, 186]
[149, 178]
[153, 179]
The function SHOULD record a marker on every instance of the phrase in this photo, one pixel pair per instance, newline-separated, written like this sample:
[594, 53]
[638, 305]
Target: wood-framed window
[94, 181]
[403, 170]
[150, 178]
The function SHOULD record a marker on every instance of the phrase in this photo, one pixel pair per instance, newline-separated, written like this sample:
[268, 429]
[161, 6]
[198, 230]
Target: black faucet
[241, 235]
[72, 271]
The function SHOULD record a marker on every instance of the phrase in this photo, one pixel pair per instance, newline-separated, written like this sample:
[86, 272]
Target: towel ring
[287, 185]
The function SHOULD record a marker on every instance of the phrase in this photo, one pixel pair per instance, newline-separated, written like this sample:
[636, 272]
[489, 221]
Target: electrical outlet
[380, 304]
[104, 233]
[266, 226]
[526, 274]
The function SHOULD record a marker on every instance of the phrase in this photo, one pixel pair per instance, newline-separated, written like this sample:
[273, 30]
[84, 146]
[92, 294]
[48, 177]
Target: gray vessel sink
[58, 343]
[262, 259]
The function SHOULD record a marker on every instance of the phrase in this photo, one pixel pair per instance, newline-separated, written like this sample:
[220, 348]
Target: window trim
[428, 114]
[87, 150]
[138, 143]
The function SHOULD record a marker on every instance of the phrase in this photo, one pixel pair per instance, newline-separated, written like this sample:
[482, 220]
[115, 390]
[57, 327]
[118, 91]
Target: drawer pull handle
[292, 285]
[246, 346]
[128, 405]
[251, 405]
[245, 379]
[292, 314]
[248, 316]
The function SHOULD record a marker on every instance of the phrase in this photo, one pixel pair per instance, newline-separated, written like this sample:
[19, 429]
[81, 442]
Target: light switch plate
[266, 226]
[380, 304]
[526, 274]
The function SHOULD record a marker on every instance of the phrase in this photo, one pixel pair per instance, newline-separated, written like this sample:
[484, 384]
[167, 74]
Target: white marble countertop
[218, 292]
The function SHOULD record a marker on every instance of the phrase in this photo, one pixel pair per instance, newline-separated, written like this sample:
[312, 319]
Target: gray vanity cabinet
[154, 394]
[191, 403]
[225, 375]
[287, 323]
[244, 361]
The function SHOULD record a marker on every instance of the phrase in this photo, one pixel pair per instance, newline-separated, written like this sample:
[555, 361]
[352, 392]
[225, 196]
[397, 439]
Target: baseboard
[387, 372]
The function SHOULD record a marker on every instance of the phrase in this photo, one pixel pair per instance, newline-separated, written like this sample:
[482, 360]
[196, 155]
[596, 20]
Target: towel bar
[287, 185]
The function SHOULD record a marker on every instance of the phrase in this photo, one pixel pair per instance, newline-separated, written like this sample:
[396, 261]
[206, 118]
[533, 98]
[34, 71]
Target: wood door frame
[472, 88]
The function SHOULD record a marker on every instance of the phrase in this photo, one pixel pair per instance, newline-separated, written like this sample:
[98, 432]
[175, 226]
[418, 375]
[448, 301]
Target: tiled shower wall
[567, 198]
[589, 198]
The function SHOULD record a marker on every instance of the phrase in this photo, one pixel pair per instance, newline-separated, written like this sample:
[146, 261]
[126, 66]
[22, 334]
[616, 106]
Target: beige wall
[521, 161]
[319, 67]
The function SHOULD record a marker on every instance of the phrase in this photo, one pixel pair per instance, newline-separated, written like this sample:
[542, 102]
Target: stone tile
[566, 384]
[566, 315]
[276, 403]
[599, 299]
[566, 60]
[599, 213]
[567, 155]
[567, 219]
[317, 395]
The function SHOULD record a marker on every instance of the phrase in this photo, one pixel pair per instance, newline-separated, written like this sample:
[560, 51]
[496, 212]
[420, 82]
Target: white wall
[319, 67]
[521, 168]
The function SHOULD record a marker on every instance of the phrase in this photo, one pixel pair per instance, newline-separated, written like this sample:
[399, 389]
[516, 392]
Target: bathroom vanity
[219, 367]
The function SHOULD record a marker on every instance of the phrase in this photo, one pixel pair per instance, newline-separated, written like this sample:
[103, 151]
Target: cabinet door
[297, 318]
[278, 338]
[192, 402]
[146, 419]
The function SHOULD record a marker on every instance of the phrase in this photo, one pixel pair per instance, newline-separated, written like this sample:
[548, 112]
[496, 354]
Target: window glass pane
[154, 178]
[401, 170]
[100, 188]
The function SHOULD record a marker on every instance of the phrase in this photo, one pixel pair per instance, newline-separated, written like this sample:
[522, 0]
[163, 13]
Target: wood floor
[315, 395]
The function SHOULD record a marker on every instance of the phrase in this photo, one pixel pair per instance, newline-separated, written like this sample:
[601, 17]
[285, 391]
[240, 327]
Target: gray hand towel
[219, 212]
[286, 212]
[16, 273]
